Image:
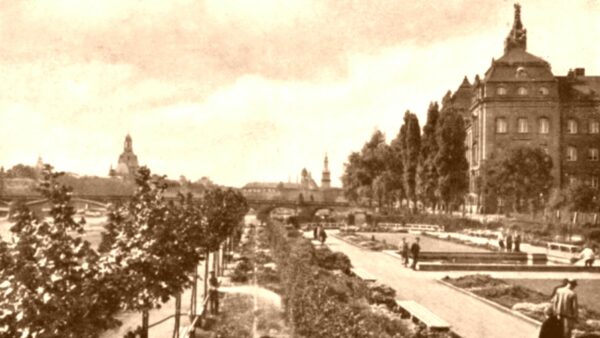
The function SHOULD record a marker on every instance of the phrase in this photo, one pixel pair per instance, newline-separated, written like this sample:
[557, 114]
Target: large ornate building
[519, 101]
[305, 190]
[128, 161]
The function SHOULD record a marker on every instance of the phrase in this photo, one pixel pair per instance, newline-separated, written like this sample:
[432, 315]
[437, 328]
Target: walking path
[469, 317]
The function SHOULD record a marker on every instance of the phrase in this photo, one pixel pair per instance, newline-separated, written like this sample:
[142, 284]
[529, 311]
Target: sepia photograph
[299, 169]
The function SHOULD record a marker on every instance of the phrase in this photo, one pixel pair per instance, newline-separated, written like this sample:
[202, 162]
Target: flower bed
[366, 242]
[322, 298]
[516, 297]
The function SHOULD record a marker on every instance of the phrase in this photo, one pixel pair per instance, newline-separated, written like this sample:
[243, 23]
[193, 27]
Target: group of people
[562, 314]
[511, 242]
[319, 233]
[412, 251]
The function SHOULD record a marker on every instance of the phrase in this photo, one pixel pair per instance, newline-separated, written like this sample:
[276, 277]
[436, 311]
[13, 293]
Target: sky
[243, 91]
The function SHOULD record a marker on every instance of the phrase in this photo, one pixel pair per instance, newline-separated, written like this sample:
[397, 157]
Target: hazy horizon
[241, 92]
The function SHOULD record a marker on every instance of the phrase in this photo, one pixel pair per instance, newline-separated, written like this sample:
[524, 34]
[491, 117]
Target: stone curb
[494, 304]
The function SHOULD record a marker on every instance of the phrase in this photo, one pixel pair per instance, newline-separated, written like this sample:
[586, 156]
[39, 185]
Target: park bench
[420, 314]
[364, 275]
[570, 248]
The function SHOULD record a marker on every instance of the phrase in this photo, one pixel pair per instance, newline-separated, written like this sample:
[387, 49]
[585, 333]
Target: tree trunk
[206, 263]
[145, 324]
[177, 314]
[194, 297]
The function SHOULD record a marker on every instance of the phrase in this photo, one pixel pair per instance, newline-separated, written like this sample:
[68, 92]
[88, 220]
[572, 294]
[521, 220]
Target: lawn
[427, 243]
[588, 290]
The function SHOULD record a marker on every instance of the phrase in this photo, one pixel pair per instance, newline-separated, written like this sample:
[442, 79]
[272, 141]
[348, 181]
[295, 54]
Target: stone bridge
[263, 207]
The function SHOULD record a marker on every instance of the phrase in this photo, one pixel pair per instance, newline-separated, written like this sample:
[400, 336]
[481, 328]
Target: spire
[325, 176]
[517, 37]
[128, 144]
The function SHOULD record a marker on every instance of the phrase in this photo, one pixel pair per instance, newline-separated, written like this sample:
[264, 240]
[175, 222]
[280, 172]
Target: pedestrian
[213, 293]
[316, 232]
[588, 256]
[322, 234]
[501, 241]
[552, 327]
[415, 249]
[509, 242]
[566, 307]
[518, 242]
[404, 250]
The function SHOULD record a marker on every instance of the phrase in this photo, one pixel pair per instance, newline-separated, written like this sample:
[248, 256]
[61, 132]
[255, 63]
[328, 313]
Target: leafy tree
[362, 168]
[411, 146]
[50, 276]
[146, 248]
[581, 197]
[427, 177]
[520, 175]
[450, 161]
[22, 171]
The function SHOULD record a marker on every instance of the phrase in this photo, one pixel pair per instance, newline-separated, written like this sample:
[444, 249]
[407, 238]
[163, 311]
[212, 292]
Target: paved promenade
[469, 317]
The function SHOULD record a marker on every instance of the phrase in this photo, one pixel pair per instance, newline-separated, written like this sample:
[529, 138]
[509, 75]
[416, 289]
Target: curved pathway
[469, 317]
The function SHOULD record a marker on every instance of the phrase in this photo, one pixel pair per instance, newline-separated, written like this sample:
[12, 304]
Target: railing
[417, 227]
[570, 248]
[187, 331]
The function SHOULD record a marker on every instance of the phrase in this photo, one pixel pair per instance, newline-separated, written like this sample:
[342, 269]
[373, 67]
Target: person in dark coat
[509, 243]
[322, 235]
[518, 242]
[316, 232]
[404, 250]
[415, 249]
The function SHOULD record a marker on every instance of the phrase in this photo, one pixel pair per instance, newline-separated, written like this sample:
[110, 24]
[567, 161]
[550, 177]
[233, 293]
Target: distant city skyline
[241, 91]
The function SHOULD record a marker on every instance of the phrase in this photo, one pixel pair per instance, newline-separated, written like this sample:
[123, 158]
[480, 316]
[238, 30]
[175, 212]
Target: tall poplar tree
[427, 178]
[411, 136]
[450, 161]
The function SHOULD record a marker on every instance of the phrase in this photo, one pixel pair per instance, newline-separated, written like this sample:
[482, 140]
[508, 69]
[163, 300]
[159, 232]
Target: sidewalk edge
[494, 304]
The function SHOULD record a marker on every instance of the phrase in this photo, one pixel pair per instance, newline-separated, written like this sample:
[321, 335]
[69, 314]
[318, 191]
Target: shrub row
[321, 299]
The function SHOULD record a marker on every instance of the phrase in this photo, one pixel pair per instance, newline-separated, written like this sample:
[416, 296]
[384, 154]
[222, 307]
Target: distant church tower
[128, 161]
[326, 175]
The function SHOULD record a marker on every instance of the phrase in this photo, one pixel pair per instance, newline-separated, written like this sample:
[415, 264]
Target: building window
[522, 91]
[572, 179]
[501, 91]
[594, 127]
[595, 182]
[593, 154]
[544, 91]
[522, 125]
[544, 125]
[571, 154]
[501, 125]
[572, 126]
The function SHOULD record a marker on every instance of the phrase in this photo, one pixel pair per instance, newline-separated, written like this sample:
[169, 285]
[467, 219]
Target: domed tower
[326, 175]
[128, 161]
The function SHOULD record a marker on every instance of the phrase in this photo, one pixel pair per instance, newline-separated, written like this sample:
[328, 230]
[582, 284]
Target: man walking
[404, 250]
[415, 249]
[509, 242]
[566, 307]
[517, 242]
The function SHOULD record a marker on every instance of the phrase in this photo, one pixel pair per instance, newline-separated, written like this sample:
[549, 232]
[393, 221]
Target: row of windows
[543, 126]
[593, 154]
[522, 91]
[593, 181]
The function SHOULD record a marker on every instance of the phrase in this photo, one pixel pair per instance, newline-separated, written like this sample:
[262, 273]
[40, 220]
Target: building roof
[516, 65]
[572, 87]
[272, 185]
